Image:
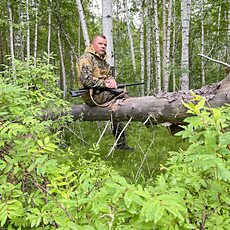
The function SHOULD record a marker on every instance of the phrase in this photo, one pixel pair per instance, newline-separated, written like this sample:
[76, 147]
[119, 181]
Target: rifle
[117, 91]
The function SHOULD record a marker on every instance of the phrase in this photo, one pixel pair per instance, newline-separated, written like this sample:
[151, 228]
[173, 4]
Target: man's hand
[111, 84]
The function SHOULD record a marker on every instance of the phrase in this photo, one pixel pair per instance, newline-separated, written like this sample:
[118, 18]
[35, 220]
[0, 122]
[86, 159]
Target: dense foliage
[42, 186]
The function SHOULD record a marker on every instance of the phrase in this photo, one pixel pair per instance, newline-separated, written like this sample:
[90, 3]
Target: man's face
[99, 45]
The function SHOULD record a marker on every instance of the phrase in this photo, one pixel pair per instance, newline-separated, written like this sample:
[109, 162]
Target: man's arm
[85, 70]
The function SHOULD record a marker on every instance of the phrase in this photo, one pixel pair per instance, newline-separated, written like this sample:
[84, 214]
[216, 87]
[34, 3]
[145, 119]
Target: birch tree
[202, 40]
[142, 48]
[174, 46]
[36, 32]
[63, 71]
[21, 29]
[167, 47]
[11, 32]
[83, 23]
[28, 30]
[130, 40]
[107, 22]
[49, 30]
[228, 49]
[157, 44]
[185, 20]
[148, 48]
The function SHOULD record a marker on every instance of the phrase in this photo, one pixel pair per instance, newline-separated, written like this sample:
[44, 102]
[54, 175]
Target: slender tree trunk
[107, 22]
[36, 33]
[130, 41]
[142, 49]
[202, 41]
[1, 50]
[28, 30]
[185, 19]
[167, 59]
[228, 48]
[164, 46]
[79, 41]
[174, 46]
[158, 54]
[72, 68]
[49, 32]
[21, 31]
[148, 48]
[11, 33]
[83, 23]
[63, 72]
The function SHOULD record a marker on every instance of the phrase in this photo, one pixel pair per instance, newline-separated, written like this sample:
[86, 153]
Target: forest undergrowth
[151, 147]
[53, 175]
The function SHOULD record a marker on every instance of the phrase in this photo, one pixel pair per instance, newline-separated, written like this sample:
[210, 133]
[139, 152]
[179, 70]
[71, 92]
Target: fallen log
[166, 107]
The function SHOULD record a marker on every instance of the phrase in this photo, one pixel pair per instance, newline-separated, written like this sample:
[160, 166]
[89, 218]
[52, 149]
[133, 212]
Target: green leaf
[225, 138]
[159, 213]
[2, 165]
[148, 210]
[40, 143]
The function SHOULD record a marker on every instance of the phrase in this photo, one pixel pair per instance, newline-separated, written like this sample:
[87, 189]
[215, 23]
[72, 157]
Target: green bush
[42, 186]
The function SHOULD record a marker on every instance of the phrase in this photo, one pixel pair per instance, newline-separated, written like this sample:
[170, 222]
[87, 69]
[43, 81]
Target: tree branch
[214, 60]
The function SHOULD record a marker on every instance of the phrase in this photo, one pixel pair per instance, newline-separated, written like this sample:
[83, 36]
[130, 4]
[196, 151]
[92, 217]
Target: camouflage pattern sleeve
[85, 73]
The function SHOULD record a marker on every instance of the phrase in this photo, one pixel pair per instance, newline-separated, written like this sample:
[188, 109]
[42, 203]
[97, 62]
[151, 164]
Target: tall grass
[151, 147]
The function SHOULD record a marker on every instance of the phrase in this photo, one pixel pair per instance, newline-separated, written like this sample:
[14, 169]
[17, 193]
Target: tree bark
[157, 44]
[83, 22]
[107, 23]
[165, 107]
[142, 47]
[185, 19]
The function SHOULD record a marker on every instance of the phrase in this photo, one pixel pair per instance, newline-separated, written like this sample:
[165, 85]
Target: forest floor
[151, 148]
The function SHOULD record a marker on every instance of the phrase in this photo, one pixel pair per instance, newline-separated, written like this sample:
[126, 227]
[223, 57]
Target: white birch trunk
[228, 48]
[72, 66]
[158, 54]
[174, 46]
[28, 30]
[36, 33]
[185, 19]
[142, 50]
[21, 31]
[167, 58]
[63, 72]
[11, 37]
[130, 40]
[83, 23]
[11, 31]
[164, 46]
[107, 22]
[202, 41]
[49, 32]
[148, 49]
[79, 41]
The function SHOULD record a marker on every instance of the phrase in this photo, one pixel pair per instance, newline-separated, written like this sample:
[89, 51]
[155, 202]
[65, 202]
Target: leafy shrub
[41, 188]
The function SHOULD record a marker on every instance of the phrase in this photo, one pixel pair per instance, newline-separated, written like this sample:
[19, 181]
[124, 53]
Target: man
[95, 74]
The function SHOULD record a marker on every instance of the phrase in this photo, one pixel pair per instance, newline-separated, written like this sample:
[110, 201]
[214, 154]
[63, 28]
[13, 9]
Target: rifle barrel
[83, 91]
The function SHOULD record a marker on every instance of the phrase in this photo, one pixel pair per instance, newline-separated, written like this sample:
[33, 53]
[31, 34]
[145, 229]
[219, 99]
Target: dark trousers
[117, 128]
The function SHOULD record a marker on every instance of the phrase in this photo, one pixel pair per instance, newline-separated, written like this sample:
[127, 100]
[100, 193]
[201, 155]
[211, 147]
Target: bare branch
[214, 60]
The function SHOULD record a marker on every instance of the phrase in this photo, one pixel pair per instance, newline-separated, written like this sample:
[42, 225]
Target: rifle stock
[117, 91]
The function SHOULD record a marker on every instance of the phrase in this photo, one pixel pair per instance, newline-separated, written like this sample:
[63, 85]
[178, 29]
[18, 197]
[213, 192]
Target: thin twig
[54, 198]
[103, 132]
[214, 60]
[115, 143]
[76, 135]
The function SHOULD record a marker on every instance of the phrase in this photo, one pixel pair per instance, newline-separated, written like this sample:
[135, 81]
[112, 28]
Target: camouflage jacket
[92, 71]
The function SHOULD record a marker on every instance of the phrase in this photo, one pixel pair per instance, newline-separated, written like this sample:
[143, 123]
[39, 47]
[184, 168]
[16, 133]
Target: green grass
[151, 148]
